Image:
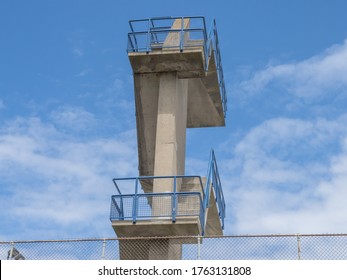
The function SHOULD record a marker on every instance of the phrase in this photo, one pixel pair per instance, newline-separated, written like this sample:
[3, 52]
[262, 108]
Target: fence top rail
[174, 237]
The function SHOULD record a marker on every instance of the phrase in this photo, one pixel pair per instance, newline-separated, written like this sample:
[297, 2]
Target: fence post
[199, 248]
[299, 247]
[103, 249]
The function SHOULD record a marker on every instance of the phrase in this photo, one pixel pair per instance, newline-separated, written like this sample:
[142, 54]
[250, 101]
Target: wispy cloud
[78, 52]
[2, 104]
[288, 171]
[75, 118]
[84, 72]
[312, 78]
[288, 176]
[51, 180]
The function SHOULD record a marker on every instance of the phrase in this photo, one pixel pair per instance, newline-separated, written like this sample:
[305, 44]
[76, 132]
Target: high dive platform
[178, 84]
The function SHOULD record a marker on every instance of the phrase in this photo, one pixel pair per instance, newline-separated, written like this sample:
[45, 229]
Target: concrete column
[171, 127]
[169, 153]
[171, 131]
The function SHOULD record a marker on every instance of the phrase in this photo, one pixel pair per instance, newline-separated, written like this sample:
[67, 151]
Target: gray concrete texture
[172, 92]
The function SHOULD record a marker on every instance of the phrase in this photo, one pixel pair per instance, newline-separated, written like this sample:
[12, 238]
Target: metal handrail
[175, 177]
[136, 195]
[135, 216]
[152, 31]
[213, 34]
[213, 180]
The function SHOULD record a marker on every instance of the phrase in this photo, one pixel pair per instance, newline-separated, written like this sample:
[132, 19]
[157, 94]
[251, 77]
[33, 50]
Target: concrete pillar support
[170, 139]
[171, 127]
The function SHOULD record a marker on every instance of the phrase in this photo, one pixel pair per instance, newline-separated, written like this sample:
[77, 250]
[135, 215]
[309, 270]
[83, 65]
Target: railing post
[136, 48]
[181, 34]
[148, 37]
[174, 200]
[202, 216]
[135, 201]
[121, 208]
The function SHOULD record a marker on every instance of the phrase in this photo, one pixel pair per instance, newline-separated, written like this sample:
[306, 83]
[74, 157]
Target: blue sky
[67, 120]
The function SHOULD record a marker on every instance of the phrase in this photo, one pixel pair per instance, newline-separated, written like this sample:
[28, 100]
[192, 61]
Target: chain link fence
[245, 247]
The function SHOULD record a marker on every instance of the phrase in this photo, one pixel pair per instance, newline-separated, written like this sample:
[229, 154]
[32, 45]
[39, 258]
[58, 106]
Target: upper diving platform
[182, 45]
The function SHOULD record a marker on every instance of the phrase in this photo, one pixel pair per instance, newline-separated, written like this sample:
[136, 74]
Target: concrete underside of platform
[158, 227]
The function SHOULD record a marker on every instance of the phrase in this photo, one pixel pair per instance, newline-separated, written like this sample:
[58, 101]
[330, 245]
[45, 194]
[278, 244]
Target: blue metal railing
[215, 42]
[213, 181]
[150, 34]
[136, 206]
[132, 205]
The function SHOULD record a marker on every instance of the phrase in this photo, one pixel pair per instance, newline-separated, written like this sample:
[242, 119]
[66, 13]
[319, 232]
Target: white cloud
[84, 72]
[75, 118]
[50, 180]
[78, 52]
[289, 176]
[312, 78]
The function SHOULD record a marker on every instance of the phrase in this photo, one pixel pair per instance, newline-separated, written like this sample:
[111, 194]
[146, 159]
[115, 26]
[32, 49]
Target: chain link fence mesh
[247, 247]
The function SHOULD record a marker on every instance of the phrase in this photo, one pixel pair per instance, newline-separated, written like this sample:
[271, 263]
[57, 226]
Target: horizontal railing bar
[121, 216]
[165, 18]
[157, 194]
[166, 30]
[156, 177]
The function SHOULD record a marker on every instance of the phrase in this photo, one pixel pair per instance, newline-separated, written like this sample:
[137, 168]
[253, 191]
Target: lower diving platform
[194, 206]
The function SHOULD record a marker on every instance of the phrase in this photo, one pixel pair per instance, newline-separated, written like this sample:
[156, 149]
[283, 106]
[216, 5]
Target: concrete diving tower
[179, 84]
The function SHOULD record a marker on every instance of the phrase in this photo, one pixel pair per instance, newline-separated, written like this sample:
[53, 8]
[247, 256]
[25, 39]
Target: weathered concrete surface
[213, 223]
[170, 137]
[204, 109]
[171, 126]
[153, 249]
[184, 226]
[172, 92]
[187, 64]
